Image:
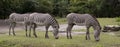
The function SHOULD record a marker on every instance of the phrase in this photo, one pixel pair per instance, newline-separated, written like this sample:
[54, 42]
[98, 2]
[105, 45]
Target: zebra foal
[40, 19]
[83, 20]
[16, 18]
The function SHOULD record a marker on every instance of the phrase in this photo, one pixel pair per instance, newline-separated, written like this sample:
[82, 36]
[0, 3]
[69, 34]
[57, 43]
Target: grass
[107, 21]
[62, 20]
[78, 40]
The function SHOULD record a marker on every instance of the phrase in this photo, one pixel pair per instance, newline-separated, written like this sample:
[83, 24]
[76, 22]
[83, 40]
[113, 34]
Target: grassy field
[20, 40]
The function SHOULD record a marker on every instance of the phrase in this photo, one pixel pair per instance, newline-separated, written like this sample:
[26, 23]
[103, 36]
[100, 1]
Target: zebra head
[97, 33]
[55, 30]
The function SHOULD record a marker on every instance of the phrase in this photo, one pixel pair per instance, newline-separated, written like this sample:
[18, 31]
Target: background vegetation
[60, 8]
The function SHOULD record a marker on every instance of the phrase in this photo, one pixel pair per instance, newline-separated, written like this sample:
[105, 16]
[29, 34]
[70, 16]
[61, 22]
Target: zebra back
[15, 17]
[43, 19]
[82, 19]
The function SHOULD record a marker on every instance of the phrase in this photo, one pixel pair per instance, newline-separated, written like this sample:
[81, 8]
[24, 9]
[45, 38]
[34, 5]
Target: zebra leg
[13, 27]
[69, 28]
[46, 34]
[34, 30]
[87, 34]
[26, 30]
[30, 30]
[10, 29]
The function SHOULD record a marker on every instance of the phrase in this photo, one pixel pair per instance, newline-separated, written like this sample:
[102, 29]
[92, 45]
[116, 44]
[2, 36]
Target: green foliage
[44, 6]
[60, 8]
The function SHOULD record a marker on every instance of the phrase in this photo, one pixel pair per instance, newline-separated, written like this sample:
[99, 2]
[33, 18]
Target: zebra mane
[96, 20]
[55, 20]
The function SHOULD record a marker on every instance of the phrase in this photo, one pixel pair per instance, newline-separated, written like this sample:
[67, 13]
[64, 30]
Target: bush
[118, 19]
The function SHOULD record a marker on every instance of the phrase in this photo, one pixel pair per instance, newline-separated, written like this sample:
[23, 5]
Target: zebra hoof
[57, 38]
[29, 36]
[97, 40]
[70, 37]
[14, 35]
[35, 36]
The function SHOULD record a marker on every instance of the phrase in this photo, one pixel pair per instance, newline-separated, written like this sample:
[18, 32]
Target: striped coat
[83, 20]
[40, 19]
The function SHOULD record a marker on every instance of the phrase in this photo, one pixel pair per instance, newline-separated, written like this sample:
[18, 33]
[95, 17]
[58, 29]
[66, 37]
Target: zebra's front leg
[26, 30]
[87, 34]
[30, 30]
[46, 34]
[69, 28]
[34, 30]
[10, 29]
[13, 27]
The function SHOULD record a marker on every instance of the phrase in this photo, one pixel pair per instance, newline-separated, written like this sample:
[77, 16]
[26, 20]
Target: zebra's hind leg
[46, 34]
[87, 34]
[34, 30]
[13, 27]
[69, 28]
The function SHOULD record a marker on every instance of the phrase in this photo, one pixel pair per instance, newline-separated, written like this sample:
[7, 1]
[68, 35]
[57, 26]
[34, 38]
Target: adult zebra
[83, 20]
[16, 18]
[40, 19]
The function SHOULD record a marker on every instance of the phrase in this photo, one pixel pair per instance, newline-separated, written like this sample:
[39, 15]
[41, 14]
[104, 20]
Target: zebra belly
[80, 24]
[40, 23]
[20, 22]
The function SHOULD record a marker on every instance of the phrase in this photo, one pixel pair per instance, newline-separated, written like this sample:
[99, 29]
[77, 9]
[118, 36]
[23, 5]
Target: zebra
[83, 20]
[16, 18]
[41, 19]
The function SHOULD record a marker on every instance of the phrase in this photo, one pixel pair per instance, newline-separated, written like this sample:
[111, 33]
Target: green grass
[78, 40]
[62, 20]
[107, 21]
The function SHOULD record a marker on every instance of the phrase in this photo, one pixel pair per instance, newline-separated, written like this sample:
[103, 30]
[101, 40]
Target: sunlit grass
[62, 20]
[107, 21]
[78, 41]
